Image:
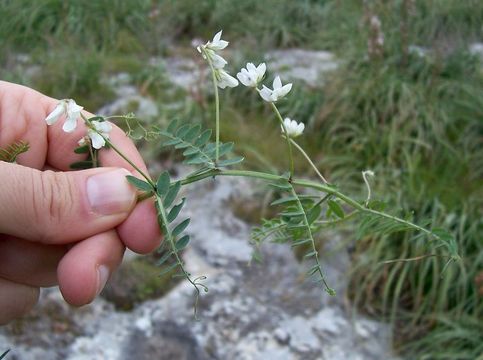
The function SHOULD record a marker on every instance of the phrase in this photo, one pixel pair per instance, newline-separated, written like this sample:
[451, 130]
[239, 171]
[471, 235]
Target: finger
[140, 231]
[60, 207]
[29, 263]
[16, 300]
[19, 106]
[85, 269]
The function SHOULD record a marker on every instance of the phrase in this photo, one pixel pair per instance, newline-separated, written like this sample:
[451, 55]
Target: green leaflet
[168, 269]
[175, 210]
[171, 194]
[82, 165]
[164, 258]
[196, 147]
[84, 149]
[4, 354]
[162, 185]
[336, 208]
[232, 161]
[183, 242]
[138, 183]
[180, 227]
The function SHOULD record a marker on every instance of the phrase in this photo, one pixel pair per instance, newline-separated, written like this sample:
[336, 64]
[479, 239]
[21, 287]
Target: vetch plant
[302, 214]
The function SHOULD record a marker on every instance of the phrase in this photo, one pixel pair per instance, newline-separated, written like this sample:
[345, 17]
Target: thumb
[61, 207]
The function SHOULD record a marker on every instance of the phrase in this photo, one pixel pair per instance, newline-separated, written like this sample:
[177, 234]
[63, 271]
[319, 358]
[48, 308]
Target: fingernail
[102, 276]
[110, 193]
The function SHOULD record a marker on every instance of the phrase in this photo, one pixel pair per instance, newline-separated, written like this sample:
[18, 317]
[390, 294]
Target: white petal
[70, 124]
[217, 36]
[103, 127]
[266, 94]
[244, 79]
[232, 82]
[55, 114]
[251, 67]
[218, 61]
[227, 80]
[72, 107]
[277, 83]
[221, 84]
[261, 70]
[301, 128]
[96, 139]
[284, 90]
[220, 45]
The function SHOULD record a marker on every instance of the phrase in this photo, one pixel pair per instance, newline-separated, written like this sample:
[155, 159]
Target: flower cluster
[250, 76]
[208, 51]
[70, 110]
[97, 131]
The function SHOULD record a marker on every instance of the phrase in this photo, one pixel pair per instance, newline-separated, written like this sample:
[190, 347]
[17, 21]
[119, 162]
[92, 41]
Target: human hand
[58, 226]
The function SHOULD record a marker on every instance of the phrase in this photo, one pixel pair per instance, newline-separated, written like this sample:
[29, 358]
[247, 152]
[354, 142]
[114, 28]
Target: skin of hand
[61, 227]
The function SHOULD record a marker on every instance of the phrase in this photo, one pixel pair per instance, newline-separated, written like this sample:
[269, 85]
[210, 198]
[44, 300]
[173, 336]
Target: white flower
[252, 75]
[278, 91]
[102, 127]
[216, 44]
[293, 128]
[225, 79]
[70, 109]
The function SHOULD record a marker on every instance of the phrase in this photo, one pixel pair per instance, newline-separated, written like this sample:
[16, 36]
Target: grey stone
[307, 66]
[252, 311]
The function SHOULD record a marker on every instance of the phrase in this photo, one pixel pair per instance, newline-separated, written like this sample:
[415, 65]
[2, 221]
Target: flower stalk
[119, 152]
[287, 138]
[302, 151]
[217, 108]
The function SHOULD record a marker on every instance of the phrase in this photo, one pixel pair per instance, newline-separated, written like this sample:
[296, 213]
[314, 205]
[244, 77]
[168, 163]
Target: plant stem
[305, 183]
[120, 153]
[329, 290]
[145, 176]
[217, 107]
[289, 145]
[170, 239]
[299, 148]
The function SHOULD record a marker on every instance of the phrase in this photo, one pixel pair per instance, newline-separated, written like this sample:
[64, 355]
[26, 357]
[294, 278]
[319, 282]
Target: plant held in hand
[302, 215]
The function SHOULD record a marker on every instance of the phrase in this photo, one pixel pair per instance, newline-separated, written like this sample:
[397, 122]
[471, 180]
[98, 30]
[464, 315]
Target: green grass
[416, 121]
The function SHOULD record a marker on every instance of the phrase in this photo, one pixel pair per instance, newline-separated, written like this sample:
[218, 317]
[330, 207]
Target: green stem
[289, 145]
[304, 183]
[217, 107]
[145, 176]
[170, 239]
[299, 148]
[337, 221]
[329, 290]
[120, 153]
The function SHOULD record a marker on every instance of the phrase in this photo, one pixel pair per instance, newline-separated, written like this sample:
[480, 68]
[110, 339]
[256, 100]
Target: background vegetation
[414, 118]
